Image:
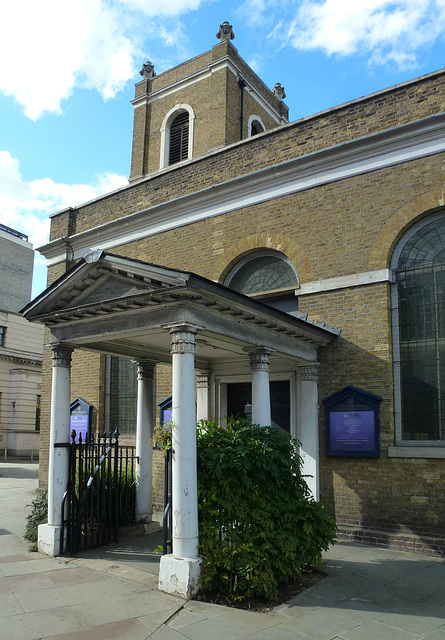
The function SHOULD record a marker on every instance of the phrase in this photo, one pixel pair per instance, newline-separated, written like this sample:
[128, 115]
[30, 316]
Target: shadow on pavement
[20, 470]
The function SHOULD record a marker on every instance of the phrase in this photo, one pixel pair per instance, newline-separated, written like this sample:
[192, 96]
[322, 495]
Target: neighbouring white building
[21, 347]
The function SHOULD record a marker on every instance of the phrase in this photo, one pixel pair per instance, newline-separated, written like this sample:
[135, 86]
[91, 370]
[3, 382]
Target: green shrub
[258, 526]
[38, 515]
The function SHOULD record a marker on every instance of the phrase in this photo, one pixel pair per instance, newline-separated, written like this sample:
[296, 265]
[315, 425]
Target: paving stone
[153, 621]
[41, 624]
[41, 564]
[9, 606]
[377, 631]
[439, 634]
[217, 628]
[321, 624]
[106, 608]
[123, 630]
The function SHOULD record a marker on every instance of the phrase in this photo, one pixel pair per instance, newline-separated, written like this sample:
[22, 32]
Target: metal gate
[101, 492]
[167, 540]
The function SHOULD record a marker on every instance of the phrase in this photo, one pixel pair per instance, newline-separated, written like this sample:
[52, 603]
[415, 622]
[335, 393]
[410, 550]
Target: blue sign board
[352, 423]
[80, 418]
[165, 410]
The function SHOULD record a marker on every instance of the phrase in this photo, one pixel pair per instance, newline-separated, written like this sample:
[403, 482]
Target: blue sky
[69, 68]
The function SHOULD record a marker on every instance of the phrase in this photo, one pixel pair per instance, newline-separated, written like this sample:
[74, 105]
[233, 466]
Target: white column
[259, 364]
[144, 441]
[179, 572]
[49, 534]
[308, 426]
[202, 396]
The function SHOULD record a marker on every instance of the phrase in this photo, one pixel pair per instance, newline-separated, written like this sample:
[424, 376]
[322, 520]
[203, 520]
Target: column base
[179, 576]
[48, 541]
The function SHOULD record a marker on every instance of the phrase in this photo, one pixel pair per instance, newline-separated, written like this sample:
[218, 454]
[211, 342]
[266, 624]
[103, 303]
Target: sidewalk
[369, 594]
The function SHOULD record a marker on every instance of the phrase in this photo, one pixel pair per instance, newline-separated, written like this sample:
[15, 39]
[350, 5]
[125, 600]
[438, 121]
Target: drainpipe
[69, 253]
[242, 84]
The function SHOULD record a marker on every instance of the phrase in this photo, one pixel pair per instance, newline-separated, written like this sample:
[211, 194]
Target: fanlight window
[179, 138]
[420, 281]
[262, 272]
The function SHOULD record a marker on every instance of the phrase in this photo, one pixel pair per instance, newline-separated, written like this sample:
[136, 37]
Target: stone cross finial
[278, 91]
[148, 70]
[225, 32]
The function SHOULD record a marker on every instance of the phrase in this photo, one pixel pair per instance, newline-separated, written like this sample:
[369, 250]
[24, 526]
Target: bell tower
[200, 106]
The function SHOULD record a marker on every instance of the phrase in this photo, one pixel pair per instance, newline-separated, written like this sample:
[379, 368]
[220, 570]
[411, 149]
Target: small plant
[163, 434]
[38, 515]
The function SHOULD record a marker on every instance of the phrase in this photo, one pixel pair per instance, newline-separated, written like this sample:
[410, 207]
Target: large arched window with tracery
[418, 303]
[262, 271]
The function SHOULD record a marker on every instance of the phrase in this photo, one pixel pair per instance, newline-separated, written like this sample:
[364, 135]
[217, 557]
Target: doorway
[239, 401]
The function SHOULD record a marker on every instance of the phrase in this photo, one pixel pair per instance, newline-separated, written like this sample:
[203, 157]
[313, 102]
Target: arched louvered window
[179, 138]
[256, 128]
[419, 332]
[262, 271]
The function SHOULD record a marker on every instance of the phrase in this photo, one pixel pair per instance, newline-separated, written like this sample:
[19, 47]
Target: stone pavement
[369, 594]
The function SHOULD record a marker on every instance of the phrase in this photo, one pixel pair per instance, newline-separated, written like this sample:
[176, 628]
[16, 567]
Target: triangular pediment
[107, 287]
[103, 279]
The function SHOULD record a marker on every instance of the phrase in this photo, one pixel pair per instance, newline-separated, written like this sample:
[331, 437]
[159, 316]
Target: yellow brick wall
[346, 227]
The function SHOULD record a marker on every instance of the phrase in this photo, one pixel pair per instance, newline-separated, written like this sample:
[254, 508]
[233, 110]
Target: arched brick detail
[257, 241]
[395, 227]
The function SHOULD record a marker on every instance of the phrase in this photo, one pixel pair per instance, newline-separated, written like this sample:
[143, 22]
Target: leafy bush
[258, 526]
[38, 515]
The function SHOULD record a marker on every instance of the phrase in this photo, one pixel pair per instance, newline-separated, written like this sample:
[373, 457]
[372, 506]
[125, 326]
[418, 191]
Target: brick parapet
[401, 105]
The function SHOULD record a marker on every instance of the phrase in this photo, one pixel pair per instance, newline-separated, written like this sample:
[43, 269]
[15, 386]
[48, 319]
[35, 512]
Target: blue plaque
[81, 413]
[352, 423]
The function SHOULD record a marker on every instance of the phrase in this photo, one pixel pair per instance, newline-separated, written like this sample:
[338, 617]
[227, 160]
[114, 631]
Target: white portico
[153, 314]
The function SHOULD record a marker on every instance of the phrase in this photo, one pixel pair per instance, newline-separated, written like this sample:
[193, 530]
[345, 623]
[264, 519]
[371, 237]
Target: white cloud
[382, 30]
[26, 206]
[50, 47]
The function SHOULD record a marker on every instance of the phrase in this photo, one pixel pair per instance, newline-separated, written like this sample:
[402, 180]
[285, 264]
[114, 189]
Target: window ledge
[416, 452]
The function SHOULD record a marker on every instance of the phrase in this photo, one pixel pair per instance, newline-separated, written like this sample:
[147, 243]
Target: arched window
[262, 271]
[177, 135]
[418, 302]
[179, 138]
[255, 126]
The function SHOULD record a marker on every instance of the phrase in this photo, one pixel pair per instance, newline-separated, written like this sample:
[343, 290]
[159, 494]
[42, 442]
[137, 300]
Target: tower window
[256, 128]
[179, 138]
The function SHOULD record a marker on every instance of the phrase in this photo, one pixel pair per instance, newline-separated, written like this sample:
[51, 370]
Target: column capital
[145, 368]
[202, 380]
[309, 372]
[183, 338]
[259, 359]
[61, 355]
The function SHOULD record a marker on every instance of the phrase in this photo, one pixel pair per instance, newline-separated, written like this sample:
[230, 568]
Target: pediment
[107, 287]
[105, 279]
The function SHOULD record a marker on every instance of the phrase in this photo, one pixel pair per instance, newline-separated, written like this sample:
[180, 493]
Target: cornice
[18, 360]
[395, 146]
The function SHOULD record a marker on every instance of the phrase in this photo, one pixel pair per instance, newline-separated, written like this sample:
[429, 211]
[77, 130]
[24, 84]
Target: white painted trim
[249, 125]
[378, 151]
[416, 452]
[165, 133]
[204, 74]
[344, 282]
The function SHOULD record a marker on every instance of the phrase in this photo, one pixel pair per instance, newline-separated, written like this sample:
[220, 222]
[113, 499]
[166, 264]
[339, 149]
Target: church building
[287, 270]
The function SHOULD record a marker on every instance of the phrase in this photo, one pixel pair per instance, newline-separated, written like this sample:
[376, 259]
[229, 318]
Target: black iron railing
[167, 541]
[101, 492]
